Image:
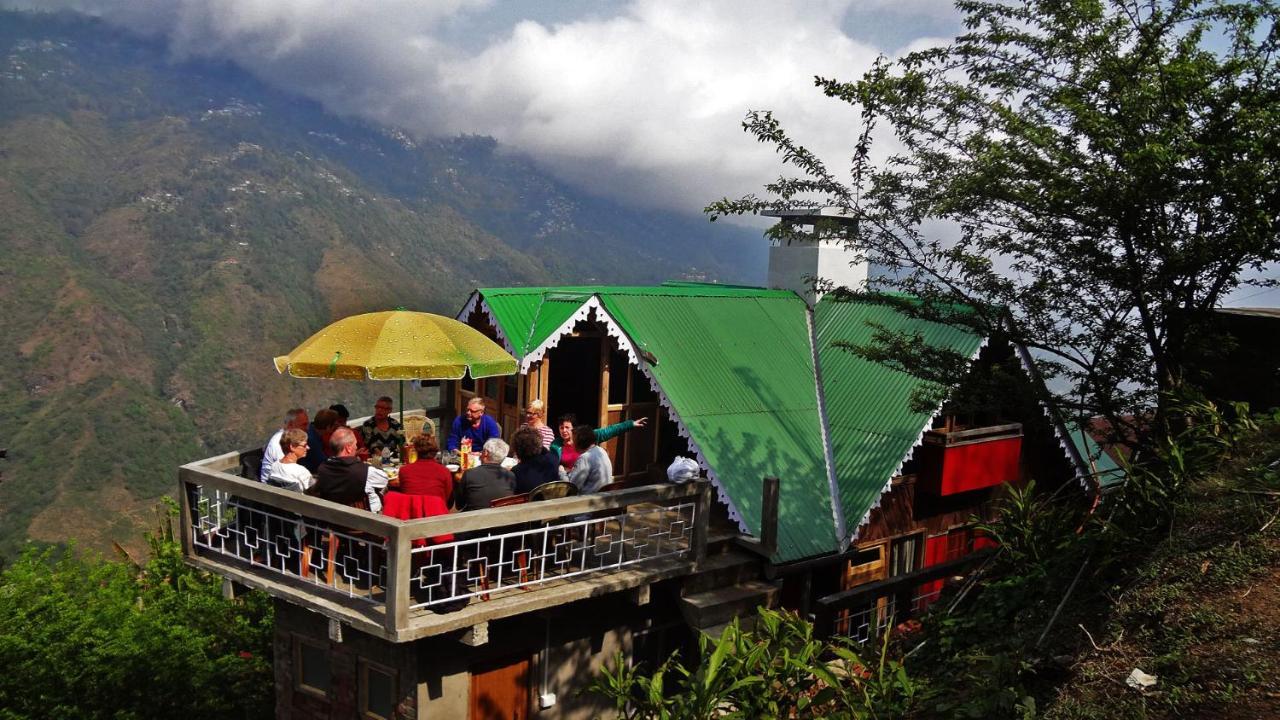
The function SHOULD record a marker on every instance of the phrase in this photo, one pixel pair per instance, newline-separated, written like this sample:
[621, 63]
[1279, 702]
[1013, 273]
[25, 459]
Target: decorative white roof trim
[483, 307]
[469, 308]
[627, 345]
[888, 484]
[824, 430]
[536, 354]
[1083, 469]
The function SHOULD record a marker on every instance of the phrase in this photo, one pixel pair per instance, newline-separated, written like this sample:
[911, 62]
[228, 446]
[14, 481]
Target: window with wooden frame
[377, 691]
[905, 554]
[311, 671]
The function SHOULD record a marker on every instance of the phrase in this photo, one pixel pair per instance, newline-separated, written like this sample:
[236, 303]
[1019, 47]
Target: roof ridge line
[824, 429]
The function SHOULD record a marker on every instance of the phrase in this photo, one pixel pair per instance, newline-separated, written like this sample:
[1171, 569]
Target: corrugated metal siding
[872, 426]
[738, 369]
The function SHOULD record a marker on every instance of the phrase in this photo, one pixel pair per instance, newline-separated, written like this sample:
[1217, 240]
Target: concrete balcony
[404, 580]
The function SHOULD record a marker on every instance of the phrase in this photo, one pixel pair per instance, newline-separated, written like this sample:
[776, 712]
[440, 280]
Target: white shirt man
[272, 452]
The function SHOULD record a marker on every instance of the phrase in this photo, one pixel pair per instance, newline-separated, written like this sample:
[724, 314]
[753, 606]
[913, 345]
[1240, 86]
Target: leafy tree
[85, 637]
[1111, 169]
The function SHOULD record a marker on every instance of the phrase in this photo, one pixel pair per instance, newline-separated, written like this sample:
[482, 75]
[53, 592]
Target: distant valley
[167, 228]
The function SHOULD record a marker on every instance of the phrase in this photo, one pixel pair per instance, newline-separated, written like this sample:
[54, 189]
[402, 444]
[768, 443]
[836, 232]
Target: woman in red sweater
[427, 476]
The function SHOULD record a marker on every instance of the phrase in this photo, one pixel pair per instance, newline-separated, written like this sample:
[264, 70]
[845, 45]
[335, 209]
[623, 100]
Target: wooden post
[769, 516]
[702, 508]
[399, 562]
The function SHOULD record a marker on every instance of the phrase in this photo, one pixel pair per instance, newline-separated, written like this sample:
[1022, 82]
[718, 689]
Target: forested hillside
[168, 228]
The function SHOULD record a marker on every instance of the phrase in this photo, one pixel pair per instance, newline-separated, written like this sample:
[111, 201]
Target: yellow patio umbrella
[397, 345]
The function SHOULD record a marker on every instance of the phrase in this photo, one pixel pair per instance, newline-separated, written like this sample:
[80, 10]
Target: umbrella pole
[402, 404]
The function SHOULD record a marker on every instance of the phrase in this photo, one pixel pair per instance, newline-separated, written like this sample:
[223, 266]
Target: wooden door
[500, 692]
[628, 396]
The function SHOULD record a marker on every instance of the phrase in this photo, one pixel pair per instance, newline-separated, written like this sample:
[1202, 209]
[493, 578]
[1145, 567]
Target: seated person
[286, 472]
[535, 416]
[382, 431]
[567, 450]
[538, 465]
[318, 435]
[426, 476]
[342, 478]
[296, 418]
[593, 469]
[487, 481]
[343, 416]
[475, 424]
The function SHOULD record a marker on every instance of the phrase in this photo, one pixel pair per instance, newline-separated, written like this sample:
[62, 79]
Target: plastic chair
[415, 425]
[553, 490]
[616, 485]
[520, 499]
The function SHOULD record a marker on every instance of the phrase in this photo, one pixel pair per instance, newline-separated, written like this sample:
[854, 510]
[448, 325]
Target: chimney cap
[810, 215]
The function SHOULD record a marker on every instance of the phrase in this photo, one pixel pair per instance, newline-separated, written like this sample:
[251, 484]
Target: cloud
[644, 103]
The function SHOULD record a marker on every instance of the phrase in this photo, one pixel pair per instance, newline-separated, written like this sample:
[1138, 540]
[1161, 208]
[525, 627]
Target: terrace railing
[866, 611]
[393, 577]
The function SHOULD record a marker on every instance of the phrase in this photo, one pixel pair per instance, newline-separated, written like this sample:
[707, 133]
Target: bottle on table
[464, 453]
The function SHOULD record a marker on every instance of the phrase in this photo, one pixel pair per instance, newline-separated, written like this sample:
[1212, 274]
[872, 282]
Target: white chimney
[795, 262]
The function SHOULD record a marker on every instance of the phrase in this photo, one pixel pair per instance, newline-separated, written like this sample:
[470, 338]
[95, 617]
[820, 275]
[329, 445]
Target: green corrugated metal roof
[527, 316]
[738, 370]
[870, 422]
[1108, 472]
[736, 365]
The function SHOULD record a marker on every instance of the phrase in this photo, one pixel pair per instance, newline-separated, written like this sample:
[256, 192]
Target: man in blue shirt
[473, 423]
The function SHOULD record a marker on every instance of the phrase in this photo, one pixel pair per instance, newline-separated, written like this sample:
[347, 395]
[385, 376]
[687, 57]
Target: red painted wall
[961, 468]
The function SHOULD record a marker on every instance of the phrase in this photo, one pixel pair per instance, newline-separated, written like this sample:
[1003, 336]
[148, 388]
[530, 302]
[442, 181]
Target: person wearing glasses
[535, 417]
[286, 472]
[473, 423]
[382, 430]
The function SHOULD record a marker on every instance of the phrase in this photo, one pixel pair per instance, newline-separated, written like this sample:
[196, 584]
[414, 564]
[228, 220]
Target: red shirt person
[426, 476]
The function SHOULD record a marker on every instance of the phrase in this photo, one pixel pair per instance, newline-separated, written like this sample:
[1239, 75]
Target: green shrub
[776, 670]
[85, 637]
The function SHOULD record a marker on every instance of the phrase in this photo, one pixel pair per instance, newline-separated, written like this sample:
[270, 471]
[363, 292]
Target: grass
[1201, 611]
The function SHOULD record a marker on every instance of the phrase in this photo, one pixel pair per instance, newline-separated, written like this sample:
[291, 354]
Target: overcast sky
[638, 99]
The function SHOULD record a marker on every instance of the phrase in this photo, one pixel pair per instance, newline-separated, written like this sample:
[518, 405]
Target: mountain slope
[167, 229]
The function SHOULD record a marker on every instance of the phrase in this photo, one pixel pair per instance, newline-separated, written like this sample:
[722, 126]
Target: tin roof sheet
[738, 372]
[871, 424]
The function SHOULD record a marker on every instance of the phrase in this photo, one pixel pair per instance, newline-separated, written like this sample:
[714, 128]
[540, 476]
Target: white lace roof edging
[888, 483]
[566, 327]
[824, 430]
[628, 346]
[1083, 471]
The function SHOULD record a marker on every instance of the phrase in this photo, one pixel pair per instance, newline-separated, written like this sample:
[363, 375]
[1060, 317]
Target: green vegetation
[1188, 592]
[1107, 170]
[776, 670]
[169, 228]
[85, 637]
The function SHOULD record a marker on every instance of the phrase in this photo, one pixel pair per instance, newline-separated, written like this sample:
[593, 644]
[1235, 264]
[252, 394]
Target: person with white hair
[295, 419]
[486, 482]
[475, 424]
[343, 478]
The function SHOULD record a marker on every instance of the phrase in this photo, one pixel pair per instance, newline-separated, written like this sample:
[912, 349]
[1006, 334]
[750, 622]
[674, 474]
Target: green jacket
[602, 434]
